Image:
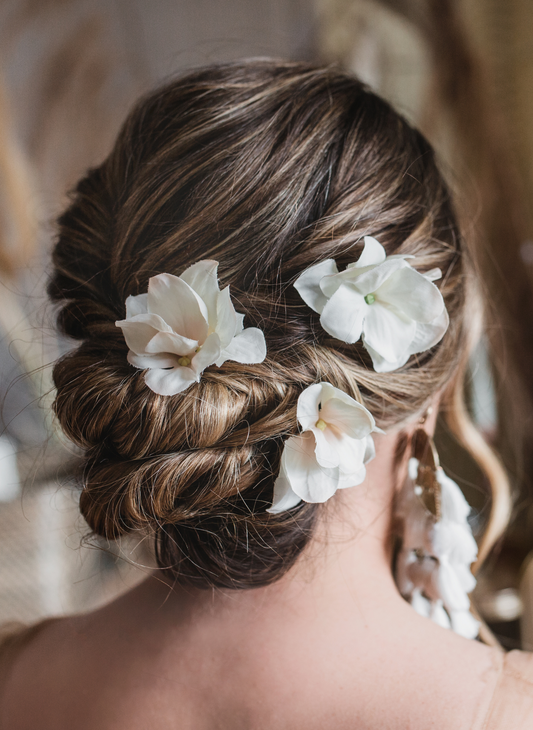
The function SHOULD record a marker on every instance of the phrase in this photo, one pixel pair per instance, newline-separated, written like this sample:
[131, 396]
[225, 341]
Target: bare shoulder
[80, 672]
[37, 663]
[64, 673]
[14, 637]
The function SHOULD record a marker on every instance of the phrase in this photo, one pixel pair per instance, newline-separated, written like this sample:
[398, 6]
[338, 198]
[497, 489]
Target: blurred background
[461, 70]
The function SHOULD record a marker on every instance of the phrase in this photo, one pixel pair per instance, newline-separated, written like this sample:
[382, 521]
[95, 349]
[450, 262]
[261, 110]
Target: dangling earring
[433, 565]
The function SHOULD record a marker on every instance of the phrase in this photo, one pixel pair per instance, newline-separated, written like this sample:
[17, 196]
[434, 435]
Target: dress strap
[512, 702]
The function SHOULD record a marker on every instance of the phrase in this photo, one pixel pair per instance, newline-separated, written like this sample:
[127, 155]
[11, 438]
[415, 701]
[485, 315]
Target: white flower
[393, 308]
[183, 325]
[331, 451]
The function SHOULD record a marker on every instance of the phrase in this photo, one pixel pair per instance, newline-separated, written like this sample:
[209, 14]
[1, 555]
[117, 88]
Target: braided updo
[268, 168]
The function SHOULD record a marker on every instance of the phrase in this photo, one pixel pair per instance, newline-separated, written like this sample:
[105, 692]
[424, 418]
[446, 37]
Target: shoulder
[30, 666]
[14, 637]
[66, 672]
[512, 703]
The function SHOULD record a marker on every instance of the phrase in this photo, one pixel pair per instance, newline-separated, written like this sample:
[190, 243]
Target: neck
[335, 621]
[352, 549]
[348, 559]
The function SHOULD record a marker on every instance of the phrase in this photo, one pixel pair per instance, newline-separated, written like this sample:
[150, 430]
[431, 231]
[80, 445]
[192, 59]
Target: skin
[330, 645]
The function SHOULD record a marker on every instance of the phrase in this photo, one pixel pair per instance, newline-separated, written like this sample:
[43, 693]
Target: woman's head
[268, 168]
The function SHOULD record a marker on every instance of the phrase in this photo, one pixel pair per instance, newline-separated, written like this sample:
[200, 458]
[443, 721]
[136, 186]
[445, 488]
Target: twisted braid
[268, 168]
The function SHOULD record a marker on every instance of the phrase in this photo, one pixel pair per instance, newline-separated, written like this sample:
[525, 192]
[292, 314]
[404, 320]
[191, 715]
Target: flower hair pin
[395, 310]
[331, 451]
[184, 324]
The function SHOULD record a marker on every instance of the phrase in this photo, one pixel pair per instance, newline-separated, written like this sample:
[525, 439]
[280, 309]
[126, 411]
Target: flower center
[370, 298]
[322, 425]
[184, 362]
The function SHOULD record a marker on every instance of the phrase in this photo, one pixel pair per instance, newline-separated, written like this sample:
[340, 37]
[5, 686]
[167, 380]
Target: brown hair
[267, 167]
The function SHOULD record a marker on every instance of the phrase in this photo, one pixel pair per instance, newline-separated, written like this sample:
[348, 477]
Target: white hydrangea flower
[183, 325]
[330, 453]
[394, 309]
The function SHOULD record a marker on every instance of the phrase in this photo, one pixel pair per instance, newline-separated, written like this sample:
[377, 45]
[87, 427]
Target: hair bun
[165, 489]
[269, 168]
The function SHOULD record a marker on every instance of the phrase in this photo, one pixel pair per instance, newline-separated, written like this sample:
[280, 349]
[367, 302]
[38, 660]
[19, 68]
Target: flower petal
[140, 329]
[427, 335]
[373, 253]
[307, 411]
[329, 284]
[352, 479]
[433, 274]
[179, 305]
[309, 480]
[143, 362]
[351, 454]
[380, 364]
[248, 347]
[308, 284]
[240, 323]
[136, 305]
[328, 391]
[207, 355]
[226, 318]
[344, 314]
[169, 382]
[387, 332]
[171, 342]
[370, 449]
[348, 416]
[202, 278]
[370, 281]
[413, 294]
[284, 498]
[326, 452]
